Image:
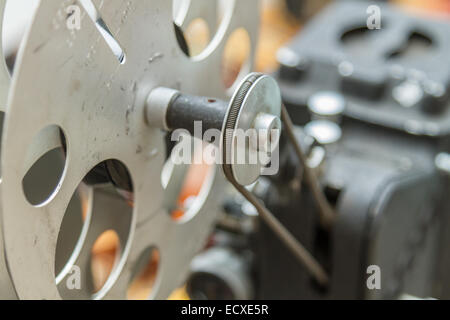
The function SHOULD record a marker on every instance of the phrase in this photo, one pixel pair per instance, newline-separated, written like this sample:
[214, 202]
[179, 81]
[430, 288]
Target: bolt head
[268, 129]
[325, 132]
[327, 105]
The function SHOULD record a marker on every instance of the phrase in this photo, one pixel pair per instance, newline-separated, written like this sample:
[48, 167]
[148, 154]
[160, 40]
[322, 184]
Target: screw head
[325, 132]
[268, 127]
[327, 105]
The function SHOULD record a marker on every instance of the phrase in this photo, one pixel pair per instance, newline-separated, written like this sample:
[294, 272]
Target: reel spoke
[4, 73]
[109, 212]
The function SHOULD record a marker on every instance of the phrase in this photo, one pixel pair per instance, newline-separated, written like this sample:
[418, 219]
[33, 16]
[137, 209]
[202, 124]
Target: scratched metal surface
[75, 82]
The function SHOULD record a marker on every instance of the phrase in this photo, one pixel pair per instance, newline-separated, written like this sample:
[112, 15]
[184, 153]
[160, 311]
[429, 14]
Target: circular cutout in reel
[199, 21]
[92, 83]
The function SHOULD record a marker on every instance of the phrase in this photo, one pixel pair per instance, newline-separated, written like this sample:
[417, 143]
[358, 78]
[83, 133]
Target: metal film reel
[6, 46]
[83, 91]
[5, 283]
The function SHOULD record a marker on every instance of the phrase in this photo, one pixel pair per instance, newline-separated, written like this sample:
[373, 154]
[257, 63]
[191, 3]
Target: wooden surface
[427, 7]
